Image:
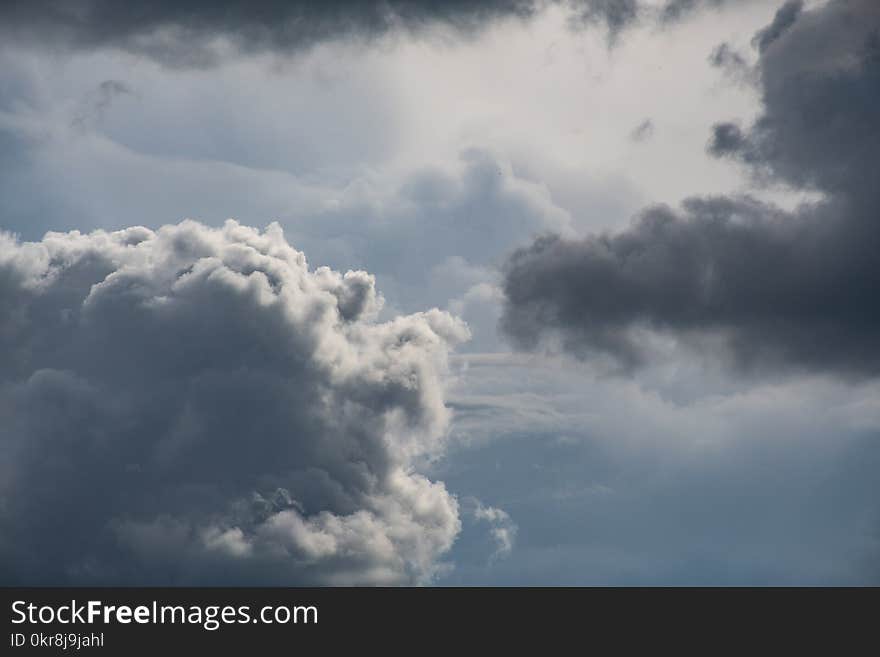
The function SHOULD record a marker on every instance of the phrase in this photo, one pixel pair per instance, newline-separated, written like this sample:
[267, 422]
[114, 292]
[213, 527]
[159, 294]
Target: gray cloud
[675, 10]
[616, 14]
[181, 33]
[732, 63]
[727, 138]
[99, 101]
[184, 33]
[195, 404]
[643, 131]
[784, 19]
[820, 82]
[763, 287]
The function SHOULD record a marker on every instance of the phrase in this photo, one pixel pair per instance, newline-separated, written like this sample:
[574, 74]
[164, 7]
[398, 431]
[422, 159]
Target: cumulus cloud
[194, 404]
[502, 527]
[733, 276]
[199, 33]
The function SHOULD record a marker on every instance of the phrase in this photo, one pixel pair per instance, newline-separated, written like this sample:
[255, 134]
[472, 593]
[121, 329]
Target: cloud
[187, 33]
[643, 131]
[477, 208]
[731, 276]
[194, 404]
[784, 19]
[503, 529]
[399, 226]
[616, 14]
[487, 539]
[732, 63]
[196, 33]
[682, 475]
[99, 101]
[674, 10]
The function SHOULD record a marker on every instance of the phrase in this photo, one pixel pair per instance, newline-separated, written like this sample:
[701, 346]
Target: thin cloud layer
[196, 405]
[733, 276]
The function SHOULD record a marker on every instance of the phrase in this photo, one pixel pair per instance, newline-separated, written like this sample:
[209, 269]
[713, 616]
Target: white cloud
[502, 528]
[207, 408]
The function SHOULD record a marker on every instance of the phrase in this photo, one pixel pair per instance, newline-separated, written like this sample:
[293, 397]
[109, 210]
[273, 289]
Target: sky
[515, 292]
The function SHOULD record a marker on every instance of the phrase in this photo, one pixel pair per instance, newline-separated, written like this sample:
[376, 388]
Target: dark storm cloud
[784, 19]
[770, 288]
[675, 10]
[820, 81]
[179, 33]
[195, 404]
